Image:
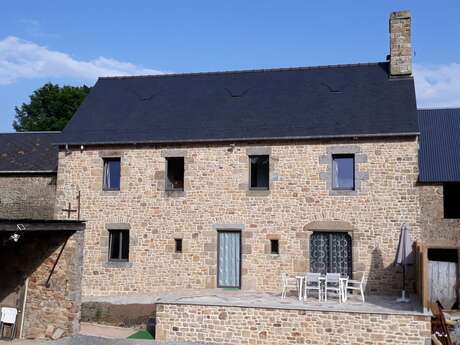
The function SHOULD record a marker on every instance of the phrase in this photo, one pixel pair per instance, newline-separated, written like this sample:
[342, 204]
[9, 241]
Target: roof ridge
[279, 69]
[31, 132]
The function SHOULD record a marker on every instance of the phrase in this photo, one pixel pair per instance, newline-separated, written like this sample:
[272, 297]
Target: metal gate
[229, 259]
[331, 252]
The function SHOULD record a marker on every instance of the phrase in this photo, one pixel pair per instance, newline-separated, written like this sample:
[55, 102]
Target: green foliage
[50, 108]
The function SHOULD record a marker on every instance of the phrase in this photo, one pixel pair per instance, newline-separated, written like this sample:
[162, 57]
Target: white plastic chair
[288, 284]
[312, 282]
[8, 318]
[332, 283]
[356, 285]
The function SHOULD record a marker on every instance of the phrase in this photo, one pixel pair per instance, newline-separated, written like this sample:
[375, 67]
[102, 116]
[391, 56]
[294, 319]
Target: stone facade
[438, 232]
[53, 309]
[27, 196]
[437, 229]
[57, 306]
[216, 193]
[237, 325]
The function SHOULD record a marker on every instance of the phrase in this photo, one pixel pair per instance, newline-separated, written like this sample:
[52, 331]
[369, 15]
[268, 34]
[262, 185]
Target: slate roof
[26, 152]
[439, 155]
[308, 102]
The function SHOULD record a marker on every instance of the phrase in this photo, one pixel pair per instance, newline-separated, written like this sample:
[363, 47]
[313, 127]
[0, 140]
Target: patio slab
[373, 304]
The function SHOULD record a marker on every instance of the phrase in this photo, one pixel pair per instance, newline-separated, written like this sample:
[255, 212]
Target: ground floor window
[331, 252]
[119, 245]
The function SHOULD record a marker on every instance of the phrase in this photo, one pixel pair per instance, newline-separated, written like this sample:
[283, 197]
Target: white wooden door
[442, 282]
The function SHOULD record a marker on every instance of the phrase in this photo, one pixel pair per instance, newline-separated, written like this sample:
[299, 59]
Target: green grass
[141, 335]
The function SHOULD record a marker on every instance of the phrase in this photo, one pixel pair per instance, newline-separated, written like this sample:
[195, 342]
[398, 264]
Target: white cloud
[437, 85]
[20, 59]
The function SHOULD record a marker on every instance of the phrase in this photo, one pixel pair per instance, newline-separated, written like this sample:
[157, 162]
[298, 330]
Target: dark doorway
[331, 252]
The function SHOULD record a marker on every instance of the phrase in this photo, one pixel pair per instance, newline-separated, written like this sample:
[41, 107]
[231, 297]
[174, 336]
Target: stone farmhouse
[223, 181]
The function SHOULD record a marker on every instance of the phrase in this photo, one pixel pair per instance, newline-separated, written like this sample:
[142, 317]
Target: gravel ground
[89, 340]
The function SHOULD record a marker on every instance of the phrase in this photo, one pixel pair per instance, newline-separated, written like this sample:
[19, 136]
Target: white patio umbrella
[404, 256]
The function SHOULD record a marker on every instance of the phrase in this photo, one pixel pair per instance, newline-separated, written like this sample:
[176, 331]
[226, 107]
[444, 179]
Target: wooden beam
[25, 226]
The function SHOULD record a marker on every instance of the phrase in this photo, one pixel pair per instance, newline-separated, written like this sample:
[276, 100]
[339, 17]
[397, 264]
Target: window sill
[175, 192]
[111, 192]
[258, 192]
[118, 264]
[343, 192]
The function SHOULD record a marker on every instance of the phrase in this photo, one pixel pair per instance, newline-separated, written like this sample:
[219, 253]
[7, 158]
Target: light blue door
[229, 259]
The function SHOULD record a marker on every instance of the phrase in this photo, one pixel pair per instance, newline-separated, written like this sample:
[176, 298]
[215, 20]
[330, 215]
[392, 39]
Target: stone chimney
[400, 44]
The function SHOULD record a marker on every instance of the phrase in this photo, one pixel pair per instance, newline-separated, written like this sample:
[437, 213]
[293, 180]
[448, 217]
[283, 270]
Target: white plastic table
[300, 280]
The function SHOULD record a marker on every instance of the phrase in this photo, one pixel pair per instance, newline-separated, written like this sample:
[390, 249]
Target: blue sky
[74, 42]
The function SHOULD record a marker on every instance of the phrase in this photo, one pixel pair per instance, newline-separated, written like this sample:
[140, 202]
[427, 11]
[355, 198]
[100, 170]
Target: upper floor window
[343, 172]
[259, 172]
[451, 200]
[111, 174]
[118, 245]
[175, 173]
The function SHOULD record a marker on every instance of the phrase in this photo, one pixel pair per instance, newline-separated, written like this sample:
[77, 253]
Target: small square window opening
[259, 172]
[275, 247]
[178, 243]
[175, 173]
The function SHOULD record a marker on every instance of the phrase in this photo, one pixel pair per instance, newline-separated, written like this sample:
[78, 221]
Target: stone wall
[438, 232]
[49, 310]
[27, 196]
[216, 196]
[55, 308]
[435, 227]
[236, 325]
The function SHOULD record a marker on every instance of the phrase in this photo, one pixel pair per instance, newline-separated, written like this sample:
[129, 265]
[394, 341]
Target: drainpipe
[21, 336]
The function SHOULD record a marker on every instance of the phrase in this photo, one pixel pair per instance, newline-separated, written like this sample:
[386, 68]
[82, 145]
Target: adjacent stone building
[41, 258]
[28, 163]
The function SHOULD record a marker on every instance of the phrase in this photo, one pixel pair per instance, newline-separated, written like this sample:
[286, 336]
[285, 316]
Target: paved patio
[242, 298]
[373, 304]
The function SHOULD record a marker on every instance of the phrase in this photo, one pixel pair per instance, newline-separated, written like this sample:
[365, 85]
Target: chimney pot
[400, 44]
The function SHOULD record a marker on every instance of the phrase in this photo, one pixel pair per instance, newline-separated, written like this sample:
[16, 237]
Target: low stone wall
[122, 315]
[237, 325]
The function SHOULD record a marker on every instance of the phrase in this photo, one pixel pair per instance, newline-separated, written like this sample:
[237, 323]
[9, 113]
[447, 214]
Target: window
[343, 172]
[175, 173]
[118, 245]
[259, 172]
[451, 200]
[111, 174]
[275, 247]
[178, 242]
